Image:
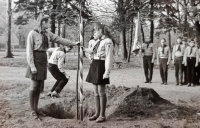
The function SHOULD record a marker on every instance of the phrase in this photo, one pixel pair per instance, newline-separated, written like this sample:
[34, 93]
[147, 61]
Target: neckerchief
[179, 47]
[96, 46]
[44, 38]
[191, 50]
[163, 48]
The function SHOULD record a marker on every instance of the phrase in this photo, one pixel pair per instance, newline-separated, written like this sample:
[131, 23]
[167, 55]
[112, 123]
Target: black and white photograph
[100, 64]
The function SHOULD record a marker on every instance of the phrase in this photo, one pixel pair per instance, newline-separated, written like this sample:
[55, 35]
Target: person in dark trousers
[148, 53]
[184, 68]
[56, 64]
[163, 60]
[191, 59]
[37, 44]
[177, 60]
[100, 68]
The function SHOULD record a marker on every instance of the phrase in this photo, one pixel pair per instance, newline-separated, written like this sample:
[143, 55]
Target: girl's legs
[97, 103]
[33, 94]
[103, 101]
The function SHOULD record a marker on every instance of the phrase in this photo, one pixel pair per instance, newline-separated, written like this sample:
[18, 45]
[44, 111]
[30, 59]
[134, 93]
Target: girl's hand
[105, 76]
[34, 72]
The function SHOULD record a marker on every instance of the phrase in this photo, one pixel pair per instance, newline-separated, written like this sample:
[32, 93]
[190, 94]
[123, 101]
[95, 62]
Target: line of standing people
[185, 57]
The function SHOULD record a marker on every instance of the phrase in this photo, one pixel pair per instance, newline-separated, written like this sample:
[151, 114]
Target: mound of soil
[123, 103]
[137, 103]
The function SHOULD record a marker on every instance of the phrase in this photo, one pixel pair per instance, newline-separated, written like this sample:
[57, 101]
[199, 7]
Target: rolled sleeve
[109, 55]
[57, 39]
[29, 51]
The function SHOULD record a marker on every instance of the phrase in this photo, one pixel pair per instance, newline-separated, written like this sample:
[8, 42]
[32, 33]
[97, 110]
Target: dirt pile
[134, 103]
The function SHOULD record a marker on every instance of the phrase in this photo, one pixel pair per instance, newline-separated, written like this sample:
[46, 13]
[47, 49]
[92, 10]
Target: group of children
[185, 57]
[39, 57]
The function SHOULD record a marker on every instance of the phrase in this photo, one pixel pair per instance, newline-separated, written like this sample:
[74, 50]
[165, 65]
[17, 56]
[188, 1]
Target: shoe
[92, 118]
[162, 83]
[177, 84]
[150, 82]
[41, 113]
[49, 93]
[35, 115]
[100, 119]
[146, 82]
[55, 94]
[188, 84]
[165, 83]
[180, 84]
[192, 85]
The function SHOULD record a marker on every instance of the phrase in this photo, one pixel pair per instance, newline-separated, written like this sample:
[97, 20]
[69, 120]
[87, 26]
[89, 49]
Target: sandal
[100, 119]
[94, 117]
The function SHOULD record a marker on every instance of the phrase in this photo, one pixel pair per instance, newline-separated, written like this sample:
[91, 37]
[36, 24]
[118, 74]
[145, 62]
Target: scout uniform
[148, 55]
[191, 58]
[177, 57]
[163, 56]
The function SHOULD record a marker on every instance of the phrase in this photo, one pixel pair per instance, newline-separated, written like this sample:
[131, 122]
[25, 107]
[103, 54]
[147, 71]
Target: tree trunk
[142, 31]
[8, 44]
[53, 24]
[122, 29]
[152, 23]
[63, 30]
[123, 43]
[131, 39]
[59, 31]
[169, 36]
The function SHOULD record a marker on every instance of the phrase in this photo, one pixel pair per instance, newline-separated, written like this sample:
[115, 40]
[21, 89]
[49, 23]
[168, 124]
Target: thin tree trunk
[142, 31]
[122, 29]
[8, 44]
[59, 26]
[169, 36]
[151, 21]
[63, 30]
[123, 43]
[53, 24]
[131, 39]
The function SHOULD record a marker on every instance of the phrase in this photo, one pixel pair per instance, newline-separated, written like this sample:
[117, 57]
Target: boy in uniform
[163, 60]
[148, 59]
[177, 59]
[191, 59]
[56, 60]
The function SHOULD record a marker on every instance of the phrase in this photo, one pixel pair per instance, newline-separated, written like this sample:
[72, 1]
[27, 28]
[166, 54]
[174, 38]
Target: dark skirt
[96, 71]
[40, 61]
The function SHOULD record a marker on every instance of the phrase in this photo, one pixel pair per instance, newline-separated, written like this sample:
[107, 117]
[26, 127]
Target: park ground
[14, 101]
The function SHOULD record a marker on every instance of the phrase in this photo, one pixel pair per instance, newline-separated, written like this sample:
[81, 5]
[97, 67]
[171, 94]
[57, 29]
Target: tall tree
[151, 20]
[8, 44]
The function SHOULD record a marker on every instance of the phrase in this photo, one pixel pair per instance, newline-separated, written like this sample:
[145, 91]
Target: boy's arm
[185, 57]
